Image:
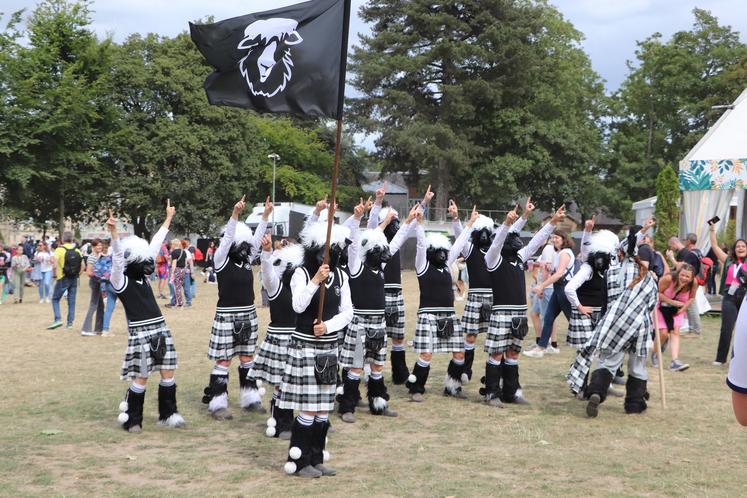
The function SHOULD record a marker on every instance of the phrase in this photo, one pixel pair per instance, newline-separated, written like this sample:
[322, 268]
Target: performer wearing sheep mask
[269, 364]
[508, 320]
[234, 331]
[393, 297]
[626, 327]
[150, 346]
[365, 339]
[310, 376]
[438, 329]
[477, 310]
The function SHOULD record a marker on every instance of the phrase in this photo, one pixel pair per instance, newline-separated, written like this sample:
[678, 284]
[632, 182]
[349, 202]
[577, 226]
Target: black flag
[290, 59]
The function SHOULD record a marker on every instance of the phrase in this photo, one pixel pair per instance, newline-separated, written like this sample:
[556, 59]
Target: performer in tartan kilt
[365, 339]
[150, 346]
[310, 376]
[506, 259]
[477, 309]
[627, 326]
[393, 298]
[235, 326]
[438, 329]
[269, 364]
[587, 290]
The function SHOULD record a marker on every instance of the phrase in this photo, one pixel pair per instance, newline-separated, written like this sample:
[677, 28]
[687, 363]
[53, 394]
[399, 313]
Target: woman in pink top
[676, 293]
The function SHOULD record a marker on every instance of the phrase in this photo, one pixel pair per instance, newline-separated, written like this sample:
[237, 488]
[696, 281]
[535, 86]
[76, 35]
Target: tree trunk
[61, 219]
[442, 190]
[650, 143]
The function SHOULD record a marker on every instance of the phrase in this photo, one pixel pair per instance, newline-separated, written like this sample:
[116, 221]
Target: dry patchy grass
[60, 435]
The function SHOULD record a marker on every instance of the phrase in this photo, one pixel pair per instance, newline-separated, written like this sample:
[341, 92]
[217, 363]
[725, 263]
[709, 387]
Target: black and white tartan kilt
[580, 368]
[300, 390]
[581, 327]
[471, 316]
[426, 340]
[269, 364]
[221, 345]
[395, 302]
[137, 359]
[499, 338]
[355, 338]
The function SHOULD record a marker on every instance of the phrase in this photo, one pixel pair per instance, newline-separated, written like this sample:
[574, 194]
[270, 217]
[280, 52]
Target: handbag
[375, 340]
[519, 327]
[157, 347]
[242, 332]
[444, 327]
[486, 309]
[325, 369]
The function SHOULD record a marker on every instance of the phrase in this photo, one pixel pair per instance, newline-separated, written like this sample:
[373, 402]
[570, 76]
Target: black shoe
[592, 408]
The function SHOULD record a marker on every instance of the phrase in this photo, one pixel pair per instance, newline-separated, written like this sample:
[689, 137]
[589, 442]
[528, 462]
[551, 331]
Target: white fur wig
[603, 241]
[385, 212]
[242, 234]
[316, 235]
[437, 241]
[135, 249]
[483, 221]
[372, 238]
[289, 255]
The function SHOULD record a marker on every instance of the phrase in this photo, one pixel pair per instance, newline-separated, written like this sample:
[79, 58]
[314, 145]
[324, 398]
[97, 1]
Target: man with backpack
[69, 264]
[686, 252]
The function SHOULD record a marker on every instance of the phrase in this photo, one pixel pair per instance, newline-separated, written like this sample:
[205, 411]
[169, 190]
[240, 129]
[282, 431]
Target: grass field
[60, 436]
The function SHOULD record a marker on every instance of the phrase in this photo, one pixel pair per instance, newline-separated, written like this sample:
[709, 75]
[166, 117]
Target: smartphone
[714, 220]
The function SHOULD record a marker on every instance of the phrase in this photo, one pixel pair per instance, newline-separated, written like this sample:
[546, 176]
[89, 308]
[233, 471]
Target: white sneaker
[717, 364]
[41, 301]
[535, 353]
[552, 350]
[87, 334]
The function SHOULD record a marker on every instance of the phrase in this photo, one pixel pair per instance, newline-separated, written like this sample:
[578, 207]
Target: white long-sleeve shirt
[270, 279]
[355, 259]
[582, 275]
[303, 292]
[221, 253]
[493, 256]
[118, 279]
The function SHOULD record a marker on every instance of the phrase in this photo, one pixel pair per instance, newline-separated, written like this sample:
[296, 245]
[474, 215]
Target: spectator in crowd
[96, 303]
[713, 274]
[103, 271]
[676, 294]
[162, 268]
[209, 265]
[28, 247]
[19, 267]
[195, 257]
[540, 270]
[43, 260]
[4, 273]
[658, 262]
[179, 268]
[678, 254]
[68, 264]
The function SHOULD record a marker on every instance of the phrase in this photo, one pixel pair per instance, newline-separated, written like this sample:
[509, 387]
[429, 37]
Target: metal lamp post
[275, 158]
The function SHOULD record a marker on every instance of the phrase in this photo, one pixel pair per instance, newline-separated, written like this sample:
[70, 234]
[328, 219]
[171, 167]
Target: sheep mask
[483, 232]
[139, 262]
[314, 238]
[391, 229]
[374, 249]
[437, 251]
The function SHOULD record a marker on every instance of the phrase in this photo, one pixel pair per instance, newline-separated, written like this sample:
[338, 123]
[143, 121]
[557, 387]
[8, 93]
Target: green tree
[486, 100]
[667, 207]
[55, 110]
[664, 106]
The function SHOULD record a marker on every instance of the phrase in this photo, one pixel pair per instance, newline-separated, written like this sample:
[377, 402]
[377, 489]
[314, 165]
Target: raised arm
[456, 223]
[224, 246]
[540, 237]
[586, 237]
[354, 249]
[261, 229]
[421, 257]
[462, 238]
[493, 256]
[117, 278]
[270, 279]
[373, 215]
[157, 240]
[720, 254]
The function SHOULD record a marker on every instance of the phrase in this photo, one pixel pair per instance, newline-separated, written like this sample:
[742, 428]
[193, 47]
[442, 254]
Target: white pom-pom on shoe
[289, 467]
[124, 406]
[271, 422]
[270, 432]
[340, 390]
[326, 456]
[262, 391]
[411, 379]
[122, 418]
[294, 453]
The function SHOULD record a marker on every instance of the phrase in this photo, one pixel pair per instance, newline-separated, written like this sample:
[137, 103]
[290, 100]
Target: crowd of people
[333, 313]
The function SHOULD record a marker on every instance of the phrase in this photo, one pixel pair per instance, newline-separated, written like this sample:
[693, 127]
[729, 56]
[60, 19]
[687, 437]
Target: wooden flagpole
[332, 206]
[657, 347]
